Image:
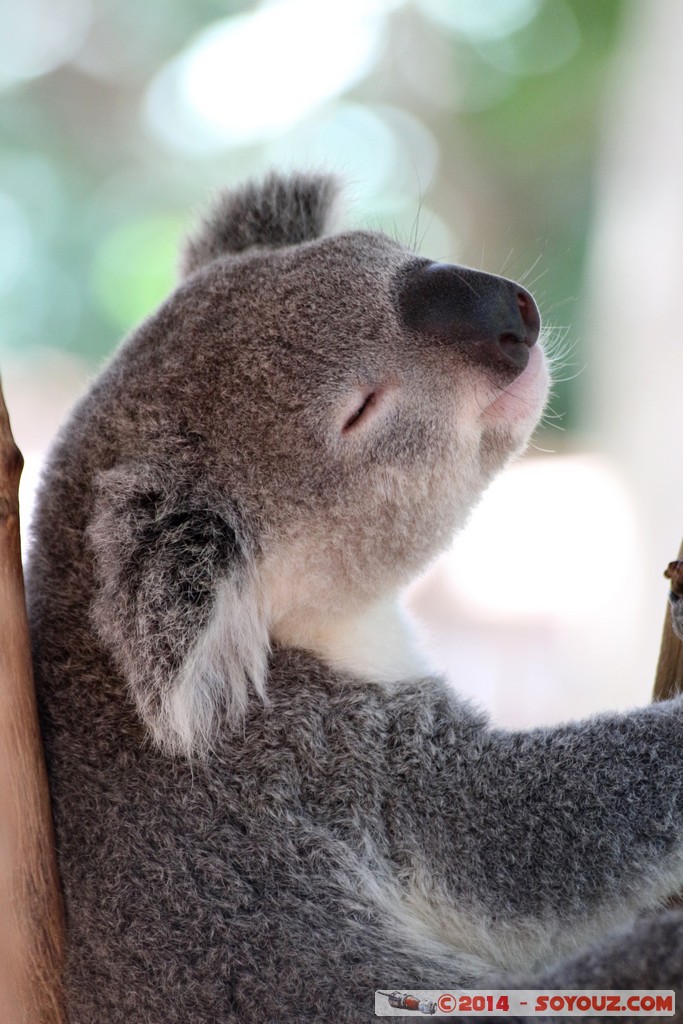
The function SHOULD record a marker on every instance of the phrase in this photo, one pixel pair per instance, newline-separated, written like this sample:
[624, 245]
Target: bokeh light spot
[493, 19]
[253, 76]
[39, 35]
[550, 41]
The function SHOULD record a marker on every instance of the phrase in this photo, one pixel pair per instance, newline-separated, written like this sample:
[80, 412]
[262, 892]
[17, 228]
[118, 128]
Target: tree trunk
[31, 916]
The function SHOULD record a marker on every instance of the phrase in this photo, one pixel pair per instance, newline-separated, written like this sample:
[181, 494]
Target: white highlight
[40, 35]
[536, 610]
[551, 537]
[256, 75]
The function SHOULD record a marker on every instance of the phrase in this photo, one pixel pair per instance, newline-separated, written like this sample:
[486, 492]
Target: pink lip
[524, 398]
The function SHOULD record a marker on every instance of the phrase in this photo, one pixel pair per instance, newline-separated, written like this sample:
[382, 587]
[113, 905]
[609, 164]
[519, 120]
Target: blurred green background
[468, 127]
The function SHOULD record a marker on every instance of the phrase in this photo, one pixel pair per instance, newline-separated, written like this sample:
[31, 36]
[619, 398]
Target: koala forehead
[320, 304]
[268, 347]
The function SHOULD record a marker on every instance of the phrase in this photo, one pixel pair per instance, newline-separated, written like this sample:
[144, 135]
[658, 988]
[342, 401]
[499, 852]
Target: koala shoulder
[278, 211]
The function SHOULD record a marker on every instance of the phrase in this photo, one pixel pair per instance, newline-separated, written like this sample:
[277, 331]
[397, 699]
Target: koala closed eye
[372, 401]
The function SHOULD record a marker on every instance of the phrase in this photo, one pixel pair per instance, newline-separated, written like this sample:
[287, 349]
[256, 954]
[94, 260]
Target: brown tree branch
[669, 675]
[31, 914]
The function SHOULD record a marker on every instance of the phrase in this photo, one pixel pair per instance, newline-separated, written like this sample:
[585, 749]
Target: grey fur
[277, 212]
[248, 829]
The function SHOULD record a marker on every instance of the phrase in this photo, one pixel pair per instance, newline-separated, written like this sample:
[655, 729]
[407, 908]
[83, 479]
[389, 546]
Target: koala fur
[265, 807]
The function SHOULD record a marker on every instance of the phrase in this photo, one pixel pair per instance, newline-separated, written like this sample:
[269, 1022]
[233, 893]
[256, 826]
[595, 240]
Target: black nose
[493, 320]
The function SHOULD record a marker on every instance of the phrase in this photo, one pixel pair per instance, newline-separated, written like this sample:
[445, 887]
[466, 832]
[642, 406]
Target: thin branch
[669, 675]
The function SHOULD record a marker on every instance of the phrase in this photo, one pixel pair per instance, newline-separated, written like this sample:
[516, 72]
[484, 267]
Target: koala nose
[490, 318]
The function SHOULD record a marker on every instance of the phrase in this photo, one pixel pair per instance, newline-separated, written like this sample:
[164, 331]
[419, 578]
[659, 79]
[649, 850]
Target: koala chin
[265, 806]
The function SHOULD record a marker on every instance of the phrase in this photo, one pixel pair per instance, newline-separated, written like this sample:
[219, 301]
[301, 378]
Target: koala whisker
[526, 279]
[544, 451]
[572, 376]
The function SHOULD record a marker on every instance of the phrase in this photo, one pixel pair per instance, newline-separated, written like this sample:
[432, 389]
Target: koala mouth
[524, 398]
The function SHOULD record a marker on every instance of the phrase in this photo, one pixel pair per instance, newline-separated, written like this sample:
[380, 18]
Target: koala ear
[280, 210]
[177, 605]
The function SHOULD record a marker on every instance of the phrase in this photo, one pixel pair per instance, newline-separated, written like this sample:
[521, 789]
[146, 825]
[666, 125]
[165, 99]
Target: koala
[266, 808]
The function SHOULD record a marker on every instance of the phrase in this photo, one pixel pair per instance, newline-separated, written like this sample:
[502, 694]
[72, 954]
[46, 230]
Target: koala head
[298, 430]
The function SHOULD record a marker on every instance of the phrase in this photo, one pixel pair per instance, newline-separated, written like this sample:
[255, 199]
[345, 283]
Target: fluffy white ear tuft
[177, 604]
[229, 657]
